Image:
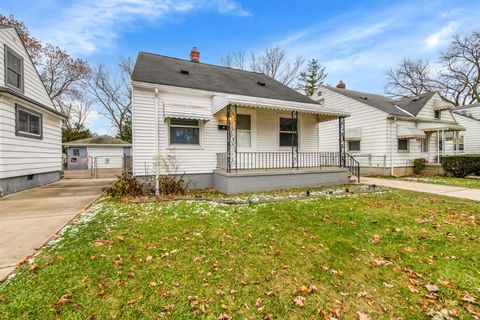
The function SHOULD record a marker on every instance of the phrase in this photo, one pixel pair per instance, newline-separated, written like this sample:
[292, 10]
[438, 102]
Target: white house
[386, 135]
[469, 117]
[226, 128]
[102, 152]
[30, 127]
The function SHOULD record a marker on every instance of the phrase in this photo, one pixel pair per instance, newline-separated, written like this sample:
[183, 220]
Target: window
[437, 114]
[184, 131]
[461, 144]
[354, 145]
[28, 123]
[424, 145]
[13, 69]
[288, 132]
[75, 151]
[403, 145]
[244, 130]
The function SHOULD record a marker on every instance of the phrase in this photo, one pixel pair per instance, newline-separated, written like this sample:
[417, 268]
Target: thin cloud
[441, 37]
[88, 26]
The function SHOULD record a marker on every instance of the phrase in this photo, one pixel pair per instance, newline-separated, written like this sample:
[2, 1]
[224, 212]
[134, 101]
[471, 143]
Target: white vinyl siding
[203, 158]
[24, 155]
[370, 121]
[106, 157]
[472, 134]
[32, 85]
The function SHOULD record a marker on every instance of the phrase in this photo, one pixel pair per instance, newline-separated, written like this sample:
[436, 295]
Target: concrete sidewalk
[457, 192]
[30, 218]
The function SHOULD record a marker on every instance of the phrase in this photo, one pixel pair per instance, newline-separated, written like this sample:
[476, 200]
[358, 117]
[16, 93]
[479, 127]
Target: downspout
[157, 142]
[391, 146]
[438, 147]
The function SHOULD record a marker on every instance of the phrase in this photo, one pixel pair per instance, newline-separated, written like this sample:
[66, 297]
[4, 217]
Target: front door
[77, 158]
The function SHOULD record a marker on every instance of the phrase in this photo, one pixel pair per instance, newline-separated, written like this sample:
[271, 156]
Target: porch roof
[409, 133]
[428, 127]
[323, 113]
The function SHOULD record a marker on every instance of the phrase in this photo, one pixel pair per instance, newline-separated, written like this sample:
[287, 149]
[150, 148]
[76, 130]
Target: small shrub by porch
[461, 165]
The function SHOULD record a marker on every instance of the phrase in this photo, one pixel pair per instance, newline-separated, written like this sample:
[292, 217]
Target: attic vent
[184, 71]
[260, 83]
[363, 97]
[319, 93]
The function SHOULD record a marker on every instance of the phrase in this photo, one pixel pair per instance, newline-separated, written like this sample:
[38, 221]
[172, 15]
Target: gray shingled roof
[404, 107]
[379, 102]
[153, 68]
[104, 139]
[468, 106]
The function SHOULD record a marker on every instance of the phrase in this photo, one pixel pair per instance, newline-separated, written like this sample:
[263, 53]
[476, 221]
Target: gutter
[30, 100]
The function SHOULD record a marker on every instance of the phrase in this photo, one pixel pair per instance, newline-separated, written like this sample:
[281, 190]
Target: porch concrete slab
[457, 192]
[28, 219]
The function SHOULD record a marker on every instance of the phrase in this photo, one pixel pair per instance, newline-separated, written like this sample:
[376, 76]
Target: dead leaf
[412, 288]
[271, 293]
[387, 285]
[2, 298]
[375, 239]
[131, 274]
[431, 287]
[362, 316]
[63, 300]
[299, 301]
[148, 258]
[101, 292]
[224, 316]
[34, 267]
[467, 297]
[120, 238]
[152, 284]
[219, 292]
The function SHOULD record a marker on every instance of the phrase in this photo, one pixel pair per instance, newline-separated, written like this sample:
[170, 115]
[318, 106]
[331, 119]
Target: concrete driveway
[30, 218]
[451, 191]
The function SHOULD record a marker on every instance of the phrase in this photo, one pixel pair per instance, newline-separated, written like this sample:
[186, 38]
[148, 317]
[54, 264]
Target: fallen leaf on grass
[271, 293]
[63, 300]
[375, 239]
[387, 285]
[431, 287]
[467, 297]
[219, 292]
[224, 316]
[299, 301]
[2, 298]
[34, 267]
[99, 243]
[148, 258]
[412, 288]
[362, 316]
[101, 293]
[120, 238]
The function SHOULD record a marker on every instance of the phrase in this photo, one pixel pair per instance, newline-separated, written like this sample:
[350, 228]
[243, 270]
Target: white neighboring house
[30, 127]
[225, 128]
[105, 152]
[469, 117]
[386, 135]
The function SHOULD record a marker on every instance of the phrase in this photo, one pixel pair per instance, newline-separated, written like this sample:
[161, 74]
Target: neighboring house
[469, 117]
[30, 127]
[386, 135]
[226, 128]
[103, 152]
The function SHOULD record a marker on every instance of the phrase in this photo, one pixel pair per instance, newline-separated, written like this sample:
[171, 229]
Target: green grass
[448, 181]
[184, 260]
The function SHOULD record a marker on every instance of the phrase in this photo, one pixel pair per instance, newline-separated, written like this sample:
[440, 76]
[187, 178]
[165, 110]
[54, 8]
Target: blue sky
[357, 40]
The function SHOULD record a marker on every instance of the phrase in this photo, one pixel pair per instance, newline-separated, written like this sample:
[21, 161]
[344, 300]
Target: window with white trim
[288, 132]
[461, 144]
[184, 131]
[354, 145]
[403, 145]
[244, 130]
[13, 69]
[424, 145]
[437, 114]
[28, 123]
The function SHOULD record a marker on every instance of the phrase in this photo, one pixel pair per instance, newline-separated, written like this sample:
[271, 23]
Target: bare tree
[32, 44]
[457, 79]
[59, 71]
[76, 105]
[410, 78]
[236, 59]
[272, 61]
[112, 92]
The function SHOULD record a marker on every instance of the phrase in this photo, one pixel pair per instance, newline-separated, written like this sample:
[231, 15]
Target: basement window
[354, 145]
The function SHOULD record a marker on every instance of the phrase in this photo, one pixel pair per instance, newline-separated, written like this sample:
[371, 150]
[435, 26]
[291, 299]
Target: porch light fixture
[260, 83]
[185, 71]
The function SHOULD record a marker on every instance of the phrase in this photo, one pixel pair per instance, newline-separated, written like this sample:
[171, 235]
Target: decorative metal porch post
[294, 119]
[231, 138]
[341, 141]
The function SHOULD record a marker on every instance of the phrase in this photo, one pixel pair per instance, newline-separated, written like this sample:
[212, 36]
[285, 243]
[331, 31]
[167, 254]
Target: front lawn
[448, 181]
[396, 255]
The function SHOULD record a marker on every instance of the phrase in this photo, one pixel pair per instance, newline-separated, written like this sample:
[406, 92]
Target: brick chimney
[341, 85]
[195, 55]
